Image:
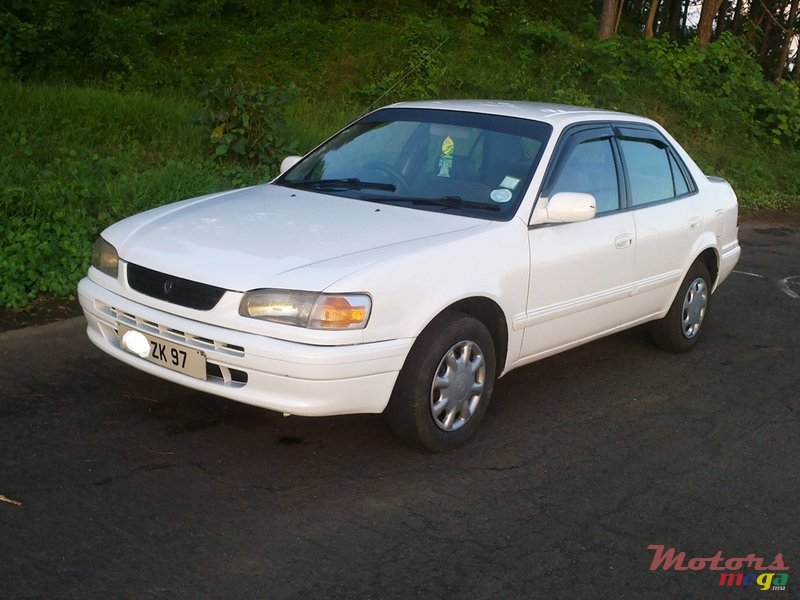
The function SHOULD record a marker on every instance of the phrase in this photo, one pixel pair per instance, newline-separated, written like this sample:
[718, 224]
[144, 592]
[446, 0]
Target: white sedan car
[414, 257]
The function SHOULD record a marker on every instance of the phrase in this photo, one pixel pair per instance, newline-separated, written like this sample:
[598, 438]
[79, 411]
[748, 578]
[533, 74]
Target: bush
[246, 127]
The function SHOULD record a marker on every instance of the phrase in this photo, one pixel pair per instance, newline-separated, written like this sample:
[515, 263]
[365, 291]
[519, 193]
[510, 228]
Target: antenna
[406, 74]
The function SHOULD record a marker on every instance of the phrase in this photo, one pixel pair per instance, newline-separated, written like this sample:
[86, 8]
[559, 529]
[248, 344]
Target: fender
[707, 240]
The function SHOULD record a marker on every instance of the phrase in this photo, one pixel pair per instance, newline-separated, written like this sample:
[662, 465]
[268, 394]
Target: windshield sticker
[501, 195]
[446, 158]
[510, 182]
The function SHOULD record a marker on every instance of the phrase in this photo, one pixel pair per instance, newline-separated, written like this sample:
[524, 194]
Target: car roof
[556, 114]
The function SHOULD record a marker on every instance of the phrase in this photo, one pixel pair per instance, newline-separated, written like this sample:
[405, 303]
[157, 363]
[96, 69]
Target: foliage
[74, 161]
[420, 70]
[145, 45]
[479, 12]
[713, 85]
[246, 126]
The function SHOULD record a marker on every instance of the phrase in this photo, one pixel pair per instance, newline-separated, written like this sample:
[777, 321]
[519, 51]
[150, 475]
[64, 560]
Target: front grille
[182, 337]
[217, 373]
[176, 290]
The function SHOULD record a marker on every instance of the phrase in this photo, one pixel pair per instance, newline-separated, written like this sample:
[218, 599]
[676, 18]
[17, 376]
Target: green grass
[73, 161]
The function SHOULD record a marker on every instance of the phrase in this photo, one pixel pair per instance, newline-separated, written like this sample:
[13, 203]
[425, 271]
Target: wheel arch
[489, 313]
[710, 258]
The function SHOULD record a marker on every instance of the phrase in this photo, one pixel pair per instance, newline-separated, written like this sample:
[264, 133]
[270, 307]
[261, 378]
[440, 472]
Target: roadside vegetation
[113, 107]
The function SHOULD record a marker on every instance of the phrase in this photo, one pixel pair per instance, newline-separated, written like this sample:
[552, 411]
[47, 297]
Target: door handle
[694, 222]
[623, 241]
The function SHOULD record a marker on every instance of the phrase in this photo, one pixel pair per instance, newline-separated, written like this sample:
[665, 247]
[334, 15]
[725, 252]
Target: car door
[666, 212]
[581, 272]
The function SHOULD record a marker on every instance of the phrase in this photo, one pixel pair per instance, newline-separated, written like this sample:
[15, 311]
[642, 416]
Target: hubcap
[458, 385]
[694, 308]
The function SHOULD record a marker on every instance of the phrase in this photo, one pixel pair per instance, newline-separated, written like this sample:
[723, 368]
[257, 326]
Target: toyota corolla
[416, 256]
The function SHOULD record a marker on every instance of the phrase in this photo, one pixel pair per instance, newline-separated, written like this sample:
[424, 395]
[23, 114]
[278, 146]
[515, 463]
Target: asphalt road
[118, 485]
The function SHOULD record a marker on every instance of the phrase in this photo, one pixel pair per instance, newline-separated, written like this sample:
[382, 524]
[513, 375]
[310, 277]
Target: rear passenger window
[653, 171]
[681, 185]
[649, 171]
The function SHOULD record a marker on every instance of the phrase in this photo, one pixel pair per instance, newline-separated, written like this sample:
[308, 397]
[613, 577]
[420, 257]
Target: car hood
[256, 237]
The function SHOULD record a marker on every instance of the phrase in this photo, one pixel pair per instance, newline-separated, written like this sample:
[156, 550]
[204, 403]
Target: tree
[673, 17]
[788, 35]
[651, 18]
[608, 17]
[738, 17]
[722, 18]
[706, 25]
[796, 72]
[769, 28]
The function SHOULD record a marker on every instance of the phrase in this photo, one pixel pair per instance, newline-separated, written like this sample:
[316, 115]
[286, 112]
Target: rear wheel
[680, 329]
[445, 385]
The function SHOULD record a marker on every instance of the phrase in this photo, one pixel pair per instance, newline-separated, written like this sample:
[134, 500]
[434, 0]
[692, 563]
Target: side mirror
[566, 207]
[288, 162]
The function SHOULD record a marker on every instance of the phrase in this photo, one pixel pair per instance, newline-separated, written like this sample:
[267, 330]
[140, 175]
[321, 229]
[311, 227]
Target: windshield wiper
[349, 183]
[446, 201]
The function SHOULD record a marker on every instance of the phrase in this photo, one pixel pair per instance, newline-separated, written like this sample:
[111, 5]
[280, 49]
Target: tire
[682, 326]
[445, 385]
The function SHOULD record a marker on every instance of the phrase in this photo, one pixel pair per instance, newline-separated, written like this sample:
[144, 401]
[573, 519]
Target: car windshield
[466, 163]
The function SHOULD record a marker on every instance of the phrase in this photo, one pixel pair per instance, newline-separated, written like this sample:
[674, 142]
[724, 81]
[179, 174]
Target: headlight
[308, 309]
[105, 258]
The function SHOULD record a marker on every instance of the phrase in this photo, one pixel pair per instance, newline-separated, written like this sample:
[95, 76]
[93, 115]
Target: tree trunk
[673, 17]
[607, 18]
[765, 43]
[756, 16]
[618, 20]
[722, 18]
[631, 10]
[651, 19]
[788, 36]
[797, 67]
[706, 26]
[738, 17]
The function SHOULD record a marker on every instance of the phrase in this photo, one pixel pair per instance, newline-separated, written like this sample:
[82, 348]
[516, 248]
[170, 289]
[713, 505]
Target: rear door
[667, 214]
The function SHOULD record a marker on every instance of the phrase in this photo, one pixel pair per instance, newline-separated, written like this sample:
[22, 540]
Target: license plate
[176, 357]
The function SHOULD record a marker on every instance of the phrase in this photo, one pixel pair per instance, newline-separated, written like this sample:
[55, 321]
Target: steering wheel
[399, 179]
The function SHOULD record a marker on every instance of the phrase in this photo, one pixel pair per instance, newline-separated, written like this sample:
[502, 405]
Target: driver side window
[590, 168]
[383, 144]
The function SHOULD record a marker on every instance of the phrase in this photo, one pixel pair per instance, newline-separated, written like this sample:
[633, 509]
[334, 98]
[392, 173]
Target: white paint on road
[784, 285]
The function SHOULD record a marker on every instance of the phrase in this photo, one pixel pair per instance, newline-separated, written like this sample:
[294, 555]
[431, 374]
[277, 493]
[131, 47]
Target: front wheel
[680, 329]
[445, 385]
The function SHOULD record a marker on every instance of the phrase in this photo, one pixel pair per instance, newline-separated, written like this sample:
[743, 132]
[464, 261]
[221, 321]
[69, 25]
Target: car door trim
[564, 309]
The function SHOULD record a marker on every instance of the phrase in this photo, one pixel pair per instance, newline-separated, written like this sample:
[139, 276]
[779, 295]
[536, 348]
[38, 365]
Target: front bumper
[289, 377]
